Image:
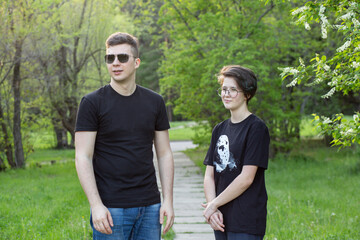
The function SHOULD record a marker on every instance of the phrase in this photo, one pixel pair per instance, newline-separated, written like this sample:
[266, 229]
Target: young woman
[236, 161]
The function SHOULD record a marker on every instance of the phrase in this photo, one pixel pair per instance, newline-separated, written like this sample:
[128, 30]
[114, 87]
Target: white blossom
[301, 61]
[347, 16]
[356, 117]
[299, 10]
[357, 48]
[307, 26]
[326, 67]
[301, 19]
[322, 9]
[293, 83]
[344, 46]
[324, 22]
[349, 132]
[290, 70]
[340, 27]
[323, 31]
[329, 94]
[353, 4]
[356, 22]
[355, 64]
[327, 120]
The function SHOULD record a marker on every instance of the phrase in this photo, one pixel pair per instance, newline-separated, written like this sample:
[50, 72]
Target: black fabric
[123, 156]
[233, 146]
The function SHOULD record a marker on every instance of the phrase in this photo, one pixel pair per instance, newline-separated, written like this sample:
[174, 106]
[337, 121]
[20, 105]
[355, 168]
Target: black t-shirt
[123, 156]
[233, 146]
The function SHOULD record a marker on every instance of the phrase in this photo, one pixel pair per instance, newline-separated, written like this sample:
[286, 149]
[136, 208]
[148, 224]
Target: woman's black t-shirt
[233, 146]
[123, 156]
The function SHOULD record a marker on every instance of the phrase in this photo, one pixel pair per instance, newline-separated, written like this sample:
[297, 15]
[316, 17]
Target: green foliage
[344, 131]
[341, 70]
[206, 35]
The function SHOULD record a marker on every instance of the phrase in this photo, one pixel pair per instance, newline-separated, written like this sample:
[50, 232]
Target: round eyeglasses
[233, 92]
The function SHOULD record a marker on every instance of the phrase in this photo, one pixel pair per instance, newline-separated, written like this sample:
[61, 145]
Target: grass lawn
[313, 193]
[44, 140]
[45, 203]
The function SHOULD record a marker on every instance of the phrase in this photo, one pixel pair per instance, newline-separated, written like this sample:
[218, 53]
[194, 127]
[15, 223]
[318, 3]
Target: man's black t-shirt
[123, 156]
[233, 146]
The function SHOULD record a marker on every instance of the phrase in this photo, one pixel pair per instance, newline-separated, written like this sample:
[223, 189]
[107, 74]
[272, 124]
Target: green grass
[308, 128]
[181, 131]
[43, 203]
[313, 193]
[44, 155]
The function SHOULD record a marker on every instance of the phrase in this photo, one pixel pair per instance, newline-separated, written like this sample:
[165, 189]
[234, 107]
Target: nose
[226, 92]
[116, 61]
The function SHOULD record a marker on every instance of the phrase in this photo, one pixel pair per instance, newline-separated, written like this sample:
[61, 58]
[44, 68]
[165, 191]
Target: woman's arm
[216, 219]
[235, 189]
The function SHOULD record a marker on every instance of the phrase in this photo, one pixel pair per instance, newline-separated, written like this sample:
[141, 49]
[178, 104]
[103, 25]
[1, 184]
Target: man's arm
[166, 172]
[235, 189]
[84, 150]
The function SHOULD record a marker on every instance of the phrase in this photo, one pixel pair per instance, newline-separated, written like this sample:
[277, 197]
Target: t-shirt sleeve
[210, 153]
[162, 121]
[87, 117]
[257, 150]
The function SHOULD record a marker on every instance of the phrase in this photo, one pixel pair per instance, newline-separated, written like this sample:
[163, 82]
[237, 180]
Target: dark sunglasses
[122, 57]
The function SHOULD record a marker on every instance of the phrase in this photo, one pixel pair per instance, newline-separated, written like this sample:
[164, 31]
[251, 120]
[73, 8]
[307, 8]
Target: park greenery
[306, 55]
[52, 54]
[311, 194]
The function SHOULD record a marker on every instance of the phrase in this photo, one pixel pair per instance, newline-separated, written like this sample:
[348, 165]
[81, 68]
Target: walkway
[188, 196]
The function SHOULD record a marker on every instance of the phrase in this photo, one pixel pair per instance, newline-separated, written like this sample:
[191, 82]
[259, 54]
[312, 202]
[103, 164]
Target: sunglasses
[122, 57]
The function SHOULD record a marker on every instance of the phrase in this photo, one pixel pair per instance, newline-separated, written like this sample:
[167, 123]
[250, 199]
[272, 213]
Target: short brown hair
[243, 76]
[123, 38]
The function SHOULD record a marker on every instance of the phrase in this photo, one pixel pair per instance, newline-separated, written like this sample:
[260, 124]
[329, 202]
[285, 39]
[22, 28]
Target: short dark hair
[243, 76]
[123, 38]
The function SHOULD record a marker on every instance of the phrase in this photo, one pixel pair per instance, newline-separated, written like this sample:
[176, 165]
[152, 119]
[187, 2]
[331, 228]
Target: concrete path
[188, 196]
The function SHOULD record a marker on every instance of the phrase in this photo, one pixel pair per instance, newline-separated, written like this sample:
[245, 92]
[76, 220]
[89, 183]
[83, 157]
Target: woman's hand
[216, 221]
[210, 209]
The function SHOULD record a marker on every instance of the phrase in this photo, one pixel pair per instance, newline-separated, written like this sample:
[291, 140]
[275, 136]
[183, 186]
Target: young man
[115, 130]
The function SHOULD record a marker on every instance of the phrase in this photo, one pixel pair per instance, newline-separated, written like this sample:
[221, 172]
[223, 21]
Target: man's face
[122, 72]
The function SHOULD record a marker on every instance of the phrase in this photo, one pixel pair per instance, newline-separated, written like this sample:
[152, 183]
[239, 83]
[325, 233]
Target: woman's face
[232, 96]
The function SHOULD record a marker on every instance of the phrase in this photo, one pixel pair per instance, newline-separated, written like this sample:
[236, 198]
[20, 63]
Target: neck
[239, 115]
[123, 88]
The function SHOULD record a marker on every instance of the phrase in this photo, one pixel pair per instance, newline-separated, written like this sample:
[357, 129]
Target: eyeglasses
[122, 57]
[233, 92]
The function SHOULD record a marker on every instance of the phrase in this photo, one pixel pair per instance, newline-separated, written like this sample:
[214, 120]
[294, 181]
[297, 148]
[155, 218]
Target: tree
[75, 41]
[340, 70]
[203, 36]
[17, 18]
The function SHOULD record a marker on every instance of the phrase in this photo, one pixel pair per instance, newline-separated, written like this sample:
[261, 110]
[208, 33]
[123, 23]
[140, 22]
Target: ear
[137, 63]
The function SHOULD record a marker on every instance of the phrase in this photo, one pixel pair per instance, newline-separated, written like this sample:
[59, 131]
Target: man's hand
[168, 211]
[102, 219]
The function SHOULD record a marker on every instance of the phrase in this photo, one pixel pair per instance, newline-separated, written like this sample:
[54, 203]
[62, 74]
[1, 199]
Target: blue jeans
[236, 236]
[138, 223]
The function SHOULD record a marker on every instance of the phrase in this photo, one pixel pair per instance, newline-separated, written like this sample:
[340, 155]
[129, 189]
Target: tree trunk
[7, 143]
[61, 134]
[2, 165]
[19, 151]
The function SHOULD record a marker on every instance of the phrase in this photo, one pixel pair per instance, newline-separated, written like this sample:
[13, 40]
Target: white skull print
[224, 156]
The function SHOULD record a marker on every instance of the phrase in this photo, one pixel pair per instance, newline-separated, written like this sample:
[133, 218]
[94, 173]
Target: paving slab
[188, 195]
